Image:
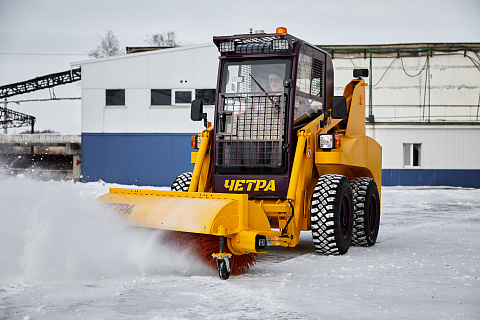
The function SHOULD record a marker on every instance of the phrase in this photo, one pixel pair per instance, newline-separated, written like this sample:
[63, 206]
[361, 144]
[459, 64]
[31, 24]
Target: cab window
[309, 91]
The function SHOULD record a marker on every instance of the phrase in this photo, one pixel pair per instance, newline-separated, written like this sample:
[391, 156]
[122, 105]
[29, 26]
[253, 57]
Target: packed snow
[64, 255]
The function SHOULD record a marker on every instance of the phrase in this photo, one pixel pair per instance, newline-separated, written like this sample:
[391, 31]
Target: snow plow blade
[229, 215]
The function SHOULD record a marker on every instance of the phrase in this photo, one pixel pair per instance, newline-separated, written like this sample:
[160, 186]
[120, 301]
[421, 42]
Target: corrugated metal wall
[408, 89]
[450, 154]
[443, 146]
[138, 159]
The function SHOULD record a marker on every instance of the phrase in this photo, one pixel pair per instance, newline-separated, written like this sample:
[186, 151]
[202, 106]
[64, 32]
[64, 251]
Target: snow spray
[56, 230]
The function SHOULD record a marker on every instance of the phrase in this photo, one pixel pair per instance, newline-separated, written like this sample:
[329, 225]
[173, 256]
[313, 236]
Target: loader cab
[251, 116]
[269, 87]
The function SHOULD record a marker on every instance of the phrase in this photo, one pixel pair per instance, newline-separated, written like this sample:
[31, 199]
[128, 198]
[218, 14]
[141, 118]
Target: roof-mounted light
[280, 44]
[227, 46]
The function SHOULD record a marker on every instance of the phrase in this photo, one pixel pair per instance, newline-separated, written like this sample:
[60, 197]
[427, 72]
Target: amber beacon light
[281, 30]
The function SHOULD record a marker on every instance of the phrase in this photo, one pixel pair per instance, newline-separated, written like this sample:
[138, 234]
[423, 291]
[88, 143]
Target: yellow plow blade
[196, 212]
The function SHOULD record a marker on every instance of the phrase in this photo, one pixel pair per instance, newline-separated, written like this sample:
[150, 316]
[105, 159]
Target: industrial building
[423, 108]
[45, 156]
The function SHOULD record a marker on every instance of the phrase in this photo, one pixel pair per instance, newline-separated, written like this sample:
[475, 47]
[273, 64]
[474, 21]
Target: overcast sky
[42, 37]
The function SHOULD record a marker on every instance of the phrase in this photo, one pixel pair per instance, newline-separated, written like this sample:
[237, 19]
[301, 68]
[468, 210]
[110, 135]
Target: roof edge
[139, 54]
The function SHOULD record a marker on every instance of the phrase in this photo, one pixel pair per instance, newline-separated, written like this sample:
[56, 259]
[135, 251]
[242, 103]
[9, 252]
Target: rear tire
[332, 215]
[366, 212]
[182, 182]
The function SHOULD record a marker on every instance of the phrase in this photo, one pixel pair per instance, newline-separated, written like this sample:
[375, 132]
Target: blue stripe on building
[153, 159]
[431, 177]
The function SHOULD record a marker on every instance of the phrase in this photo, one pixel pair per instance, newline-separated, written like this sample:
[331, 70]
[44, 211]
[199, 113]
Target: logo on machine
[122, 208]
[250, 185]
[326, 121]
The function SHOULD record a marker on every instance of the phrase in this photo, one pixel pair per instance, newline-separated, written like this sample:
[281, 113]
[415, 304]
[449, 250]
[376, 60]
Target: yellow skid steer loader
[284, 155]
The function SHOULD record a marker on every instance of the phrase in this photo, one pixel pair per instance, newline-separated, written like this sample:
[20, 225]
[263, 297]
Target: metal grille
[250, 129]
[317, 78]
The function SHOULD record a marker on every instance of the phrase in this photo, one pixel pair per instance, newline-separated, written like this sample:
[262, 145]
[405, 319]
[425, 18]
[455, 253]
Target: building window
[183, 97]
[161, 97]
[206, 95]
[412, 154]
[115, 97]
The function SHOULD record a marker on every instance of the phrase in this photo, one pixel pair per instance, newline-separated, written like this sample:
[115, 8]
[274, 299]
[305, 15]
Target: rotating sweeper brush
[284, 155]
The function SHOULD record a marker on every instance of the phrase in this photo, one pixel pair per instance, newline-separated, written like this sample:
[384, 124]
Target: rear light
[329, 141]
[338, 141]
[195, 142]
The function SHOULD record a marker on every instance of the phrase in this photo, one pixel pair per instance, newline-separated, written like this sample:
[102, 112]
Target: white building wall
[93, 104]
[184, 68]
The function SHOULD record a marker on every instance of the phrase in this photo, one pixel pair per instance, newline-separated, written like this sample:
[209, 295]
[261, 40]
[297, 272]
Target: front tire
[366, 212]
[182, 182]
[332, 215]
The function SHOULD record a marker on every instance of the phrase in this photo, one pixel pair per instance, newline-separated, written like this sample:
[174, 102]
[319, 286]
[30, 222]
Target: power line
[43, 100]
[413, 75]
[383, 75]
[42, 54]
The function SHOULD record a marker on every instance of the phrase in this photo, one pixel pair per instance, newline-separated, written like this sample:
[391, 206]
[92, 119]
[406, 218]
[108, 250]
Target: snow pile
[50, 230]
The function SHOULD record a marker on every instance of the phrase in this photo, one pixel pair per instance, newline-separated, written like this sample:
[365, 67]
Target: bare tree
[109, 46]
[166, 39]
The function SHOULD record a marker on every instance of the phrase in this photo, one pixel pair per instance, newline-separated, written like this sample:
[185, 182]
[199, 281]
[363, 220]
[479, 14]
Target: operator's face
[275, 82]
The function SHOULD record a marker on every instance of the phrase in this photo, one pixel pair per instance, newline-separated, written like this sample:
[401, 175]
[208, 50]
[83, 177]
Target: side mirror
[360, 73]
[339, 107]
[196, 111]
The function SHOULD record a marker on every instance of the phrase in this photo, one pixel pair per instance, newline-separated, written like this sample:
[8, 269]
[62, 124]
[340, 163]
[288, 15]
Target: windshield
[254, 76]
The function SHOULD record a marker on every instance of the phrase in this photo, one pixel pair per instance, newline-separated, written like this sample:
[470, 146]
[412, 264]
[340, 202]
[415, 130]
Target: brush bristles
[203, 246]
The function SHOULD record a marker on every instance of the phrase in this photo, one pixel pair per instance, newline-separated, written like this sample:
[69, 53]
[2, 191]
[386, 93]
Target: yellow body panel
[231, 215]
[358, 155]
[193, 157]
[179, 211]
[187, 211]
[356, 119]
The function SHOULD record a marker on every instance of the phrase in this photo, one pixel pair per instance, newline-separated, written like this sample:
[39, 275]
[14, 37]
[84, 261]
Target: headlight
[329, 141]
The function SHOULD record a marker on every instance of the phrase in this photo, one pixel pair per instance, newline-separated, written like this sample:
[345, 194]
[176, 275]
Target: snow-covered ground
[64, 256]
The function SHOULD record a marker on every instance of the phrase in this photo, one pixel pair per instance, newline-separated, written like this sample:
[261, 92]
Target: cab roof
[256, 43]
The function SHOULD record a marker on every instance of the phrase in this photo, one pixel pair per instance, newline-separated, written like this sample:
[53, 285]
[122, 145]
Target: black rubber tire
[366, 202]
[223, 271]
[182, 182]
[332, 215]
